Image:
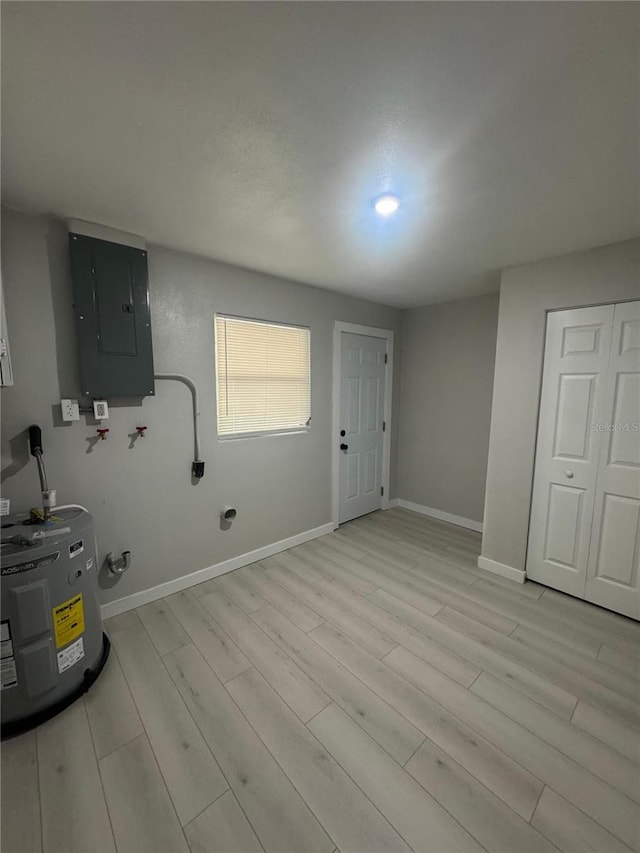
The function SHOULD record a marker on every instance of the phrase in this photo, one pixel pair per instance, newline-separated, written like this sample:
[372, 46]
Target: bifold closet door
[573, 398]
[613, 575]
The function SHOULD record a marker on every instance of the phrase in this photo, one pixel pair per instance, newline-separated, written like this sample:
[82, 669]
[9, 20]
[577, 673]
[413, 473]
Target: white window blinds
[263, 376]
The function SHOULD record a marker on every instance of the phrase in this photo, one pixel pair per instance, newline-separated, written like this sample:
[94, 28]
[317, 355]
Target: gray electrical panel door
[111, 300]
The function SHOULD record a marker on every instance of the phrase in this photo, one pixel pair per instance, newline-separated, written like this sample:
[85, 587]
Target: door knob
[569, 474]
[344, 447]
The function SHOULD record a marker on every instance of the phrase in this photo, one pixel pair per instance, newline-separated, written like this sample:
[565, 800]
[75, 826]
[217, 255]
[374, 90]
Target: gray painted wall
[448, 354]
[143, 498]
[607, 274]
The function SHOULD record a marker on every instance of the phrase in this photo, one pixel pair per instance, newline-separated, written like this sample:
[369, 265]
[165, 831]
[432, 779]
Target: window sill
[241, 436]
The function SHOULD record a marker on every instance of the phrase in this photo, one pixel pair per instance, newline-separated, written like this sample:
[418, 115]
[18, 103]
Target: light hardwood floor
[371, 690]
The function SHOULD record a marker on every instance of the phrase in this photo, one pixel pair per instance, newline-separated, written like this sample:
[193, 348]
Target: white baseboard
[136, 599]
[501, 569]
[390, 503]
[469, 523]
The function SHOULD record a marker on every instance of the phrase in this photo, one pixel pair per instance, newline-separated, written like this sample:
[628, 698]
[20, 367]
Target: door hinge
[386, 358]
[384, 426]
[382, 490]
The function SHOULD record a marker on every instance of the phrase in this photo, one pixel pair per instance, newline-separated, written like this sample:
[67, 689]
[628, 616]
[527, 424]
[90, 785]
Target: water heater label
[8, 673]
[72, 654]
[76, 548]
[68, 620]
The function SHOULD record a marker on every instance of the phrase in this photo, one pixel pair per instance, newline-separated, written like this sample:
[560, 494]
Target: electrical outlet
[100, 410]
[70, 410]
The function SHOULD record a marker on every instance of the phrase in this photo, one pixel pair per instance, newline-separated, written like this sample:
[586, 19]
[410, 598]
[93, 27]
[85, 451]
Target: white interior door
[613, 576]
[362, 390]
[573, 398]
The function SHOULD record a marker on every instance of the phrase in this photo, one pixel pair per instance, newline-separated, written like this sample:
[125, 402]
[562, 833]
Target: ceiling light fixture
[386, 204]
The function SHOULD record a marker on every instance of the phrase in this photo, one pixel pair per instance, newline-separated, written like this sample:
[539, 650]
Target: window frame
[264, 433]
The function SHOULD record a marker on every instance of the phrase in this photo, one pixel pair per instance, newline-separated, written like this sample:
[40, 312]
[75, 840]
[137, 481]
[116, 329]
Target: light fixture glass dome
[386, 204]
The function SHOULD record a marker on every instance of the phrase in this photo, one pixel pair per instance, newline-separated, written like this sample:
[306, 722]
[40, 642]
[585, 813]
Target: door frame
[370, 332]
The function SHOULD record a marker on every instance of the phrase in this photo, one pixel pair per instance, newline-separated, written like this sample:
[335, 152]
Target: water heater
[53, 647]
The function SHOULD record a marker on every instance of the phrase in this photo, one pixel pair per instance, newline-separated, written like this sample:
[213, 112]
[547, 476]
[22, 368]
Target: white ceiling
[258, 133]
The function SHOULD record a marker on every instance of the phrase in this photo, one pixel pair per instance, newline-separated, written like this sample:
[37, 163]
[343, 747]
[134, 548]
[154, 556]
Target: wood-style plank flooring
[371, 690]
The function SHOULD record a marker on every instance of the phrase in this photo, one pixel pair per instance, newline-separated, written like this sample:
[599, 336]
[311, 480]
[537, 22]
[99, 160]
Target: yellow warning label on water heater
[68, 620]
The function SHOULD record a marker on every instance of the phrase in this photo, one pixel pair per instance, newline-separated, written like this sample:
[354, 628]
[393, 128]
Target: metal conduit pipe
[197, 469]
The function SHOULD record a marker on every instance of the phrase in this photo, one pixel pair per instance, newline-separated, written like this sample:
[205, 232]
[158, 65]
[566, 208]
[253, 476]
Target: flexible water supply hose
[197, 469]
[35, 447]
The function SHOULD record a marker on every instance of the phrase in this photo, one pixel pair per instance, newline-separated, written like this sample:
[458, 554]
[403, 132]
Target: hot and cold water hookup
[197, 466]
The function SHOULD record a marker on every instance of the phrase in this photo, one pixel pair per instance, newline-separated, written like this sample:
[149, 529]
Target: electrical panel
[113, 322]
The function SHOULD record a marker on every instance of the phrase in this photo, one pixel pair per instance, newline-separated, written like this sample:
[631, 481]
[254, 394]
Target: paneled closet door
[613, 576]
[573, 398]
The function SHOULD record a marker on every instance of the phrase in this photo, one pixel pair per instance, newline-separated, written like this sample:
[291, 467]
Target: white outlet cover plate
[100, 410]
[70, 410]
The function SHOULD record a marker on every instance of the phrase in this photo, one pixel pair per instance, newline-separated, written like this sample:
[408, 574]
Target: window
[262, 375]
